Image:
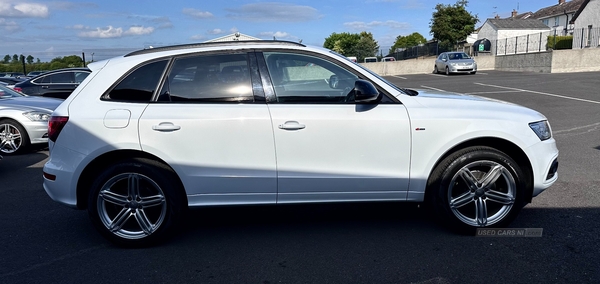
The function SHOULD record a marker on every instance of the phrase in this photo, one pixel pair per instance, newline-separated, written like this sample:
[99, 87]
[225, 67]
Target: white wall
[589, 16]
[502, 34]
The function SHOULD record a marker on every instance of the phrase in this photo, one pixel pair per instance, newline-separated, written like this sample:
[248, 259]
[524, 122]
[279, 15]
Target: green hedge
[560, 42]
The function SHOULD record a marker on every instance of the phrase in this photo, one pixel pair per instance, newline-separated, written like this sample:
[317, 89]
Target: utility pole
[23, 62]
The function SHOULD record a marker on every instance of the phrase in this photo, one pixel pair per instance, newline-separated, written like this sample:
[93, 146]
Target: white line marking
[438, 75]
[481, 73]
[499, 92]
[435, 89]
[399, 77]
[540, 93]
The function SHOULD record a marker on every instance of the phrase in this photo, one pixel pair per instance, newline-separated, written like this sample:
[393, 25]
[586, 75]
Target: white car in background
[154, 132]
[23, 121]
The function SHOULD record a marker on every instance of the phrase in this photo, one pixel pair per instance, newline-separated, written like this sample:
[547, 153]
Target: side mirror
[444, 59]
[365, 92]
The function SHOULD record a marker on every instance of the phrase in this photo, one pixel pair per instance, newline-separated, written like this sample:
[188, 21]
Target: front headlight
[37, 115]
[452, 64]
[541, 129]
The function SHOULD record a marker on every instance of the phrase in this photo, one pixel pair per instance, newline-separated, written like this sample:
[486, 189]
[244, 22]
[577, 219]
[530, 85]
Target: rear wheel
[477, 187]
[13, 138]
[435, 70]
[135, 203]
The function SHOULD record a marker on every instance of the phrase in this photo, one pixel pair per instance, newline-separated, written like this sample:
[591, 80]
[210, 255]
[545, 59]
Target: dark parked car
[55, 84]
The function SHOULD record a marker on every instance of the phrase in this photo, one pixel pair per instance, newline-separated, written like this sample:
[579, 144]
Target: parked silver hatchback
[455, 62]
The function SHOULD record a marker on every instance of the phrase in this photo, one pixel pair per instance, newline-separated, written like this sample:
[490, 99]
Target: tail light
[18, 89]
[55, 125]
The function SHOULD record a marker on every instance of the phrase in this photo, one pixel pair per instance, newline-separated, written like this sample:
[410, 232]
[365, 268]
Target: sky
[108, 28]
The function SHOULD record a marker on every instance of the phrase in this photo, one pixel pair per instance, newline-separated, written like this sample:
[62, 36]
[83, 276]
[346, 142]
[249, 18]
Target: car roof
[214, 44]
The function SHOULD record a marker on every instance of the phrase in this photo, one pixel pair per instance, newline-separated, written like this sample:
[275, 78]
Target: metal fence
[432, 48]
[586, 37]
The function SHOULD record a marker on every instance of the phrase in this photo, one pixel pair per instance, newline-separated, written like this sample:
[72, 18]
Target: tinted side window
[58, 78]
[209, 78]
[140, 84]
[299, 78]
[80, 76]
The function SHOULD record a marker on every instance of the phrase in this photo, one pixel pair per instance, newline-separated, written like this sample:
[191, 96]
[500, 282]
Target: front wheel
[135, 203]
[447, 71]
[477, 187]
[13, 138]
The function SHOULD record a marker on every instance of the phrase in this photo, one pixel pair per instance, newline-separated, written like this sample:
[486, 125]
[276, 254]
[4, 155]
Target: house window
[556, 21]
[546, 22]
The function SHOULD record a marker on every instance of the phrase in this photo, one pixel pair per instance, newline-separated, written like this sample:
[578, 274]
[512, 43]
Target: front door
[328, 147]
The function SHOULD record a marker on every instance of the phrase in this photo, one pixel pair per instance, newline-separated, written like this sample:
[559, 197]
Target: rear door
[212, 125]
[58, 85]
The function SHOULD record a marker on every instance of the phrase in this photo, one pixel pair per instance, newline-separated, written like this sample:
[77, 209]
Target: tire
[447, 71]
[477, 187]
[136, 203]
[13, 138]
[435, 70]
[473, 73]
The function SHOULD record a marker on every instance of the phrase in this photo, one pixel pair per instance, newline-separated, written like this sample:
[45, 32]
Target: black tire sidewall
[442, 176]
[165, 179]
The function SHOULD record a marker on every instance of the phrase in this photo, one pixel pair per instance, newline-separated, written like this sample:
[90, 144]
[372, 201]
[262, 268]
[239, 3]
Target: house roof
[517, 24]
[523, 16]
[558, 9]
[581, 8]
[233, 37]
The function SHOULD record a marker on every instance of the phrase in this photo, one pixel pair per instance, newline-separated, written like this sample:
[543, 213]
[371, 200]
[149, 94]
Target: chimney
[497, 16]
[560, 2]
[514, 13]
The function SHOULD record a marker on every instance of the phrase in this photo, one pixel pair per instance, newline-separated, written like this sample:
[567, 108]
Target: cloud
[215, 32]
[278, 35]
[362, 26]
[161, 22]
[112, 32]
[23, 10]
[274, 12]
[9, 26]
[63, 5]
[198, 37]
[195, 13]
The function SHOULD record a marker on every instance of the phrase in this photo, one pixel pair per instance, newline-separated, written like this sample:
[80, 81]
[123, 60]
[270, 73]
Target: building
[495, 29]
[586, 24]
[233, 37]
[558, 16]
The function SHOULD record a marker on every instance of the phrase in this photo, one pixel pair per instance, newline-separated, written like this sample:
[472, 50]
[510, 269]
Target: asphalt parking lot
[44, 242]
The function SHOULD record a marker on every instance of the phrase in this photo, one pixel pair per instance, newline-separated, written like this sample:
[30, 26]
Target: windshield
[369, 71]
[458, 56]
[6, 92]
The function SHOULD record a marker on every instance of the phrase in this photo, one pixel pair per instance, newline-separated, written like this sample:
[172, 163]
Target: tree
[342, 43]
[15, 59]
[367, 46]
[411, 40]
[29, 59]
[359, 45]
[452, 23]
[6, 59]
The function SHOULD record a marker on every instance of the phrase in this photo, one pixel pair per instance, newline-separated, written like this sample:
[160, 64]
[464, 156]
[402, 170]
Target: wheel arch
[101, 162]
[505, 146]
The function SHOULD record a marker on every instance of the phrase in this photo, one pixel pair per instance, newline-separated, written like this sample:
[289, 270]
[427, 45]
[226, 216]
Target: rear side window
[209, 78]
[58, 78]
[80, 76]
[139, 85]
